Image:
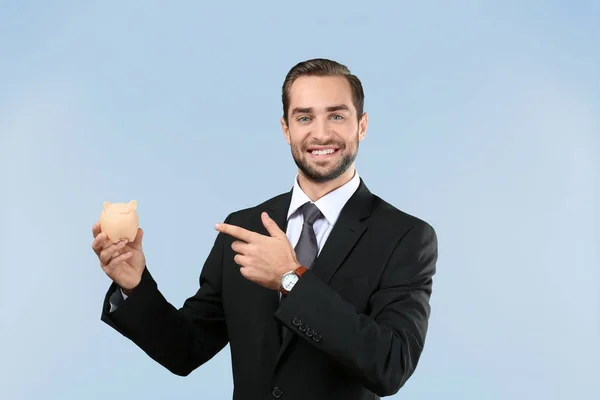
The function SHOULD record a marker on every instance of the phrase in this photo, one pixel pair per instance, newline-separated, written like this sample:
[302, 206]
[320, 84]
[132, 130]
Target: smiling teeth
[322, 152]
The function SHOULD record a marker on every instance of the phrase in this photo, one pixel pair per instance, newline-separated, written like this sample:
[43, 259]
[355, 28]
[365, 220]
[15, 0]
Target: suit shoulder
[385, 212]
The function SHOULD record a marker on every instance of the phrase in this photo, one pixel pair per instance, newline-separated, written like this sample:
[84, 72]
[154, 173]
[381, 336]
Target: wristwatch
[289, 279]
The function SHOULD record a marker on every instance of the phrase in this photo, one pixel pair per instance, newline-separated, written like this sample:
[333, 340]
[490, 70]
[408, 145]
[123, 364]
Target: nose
[322, 130]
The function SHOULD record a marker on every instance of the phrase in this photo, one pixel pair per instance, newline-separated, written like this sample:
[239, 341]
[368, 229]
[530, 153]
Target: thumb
[137, 242]
[271, 225]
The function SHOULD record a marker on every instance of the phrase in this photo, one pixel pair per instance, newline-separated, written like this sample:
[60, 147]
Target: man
[322, 292]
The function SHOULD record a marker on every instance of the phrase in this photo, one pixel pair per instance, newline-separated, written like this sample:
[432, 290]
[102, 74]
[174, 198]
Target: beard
[317, 171]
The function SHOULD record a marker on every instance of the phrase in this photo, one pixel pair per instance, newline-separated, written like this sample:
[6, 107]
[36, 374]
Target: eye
[338, 117]
[303, 119]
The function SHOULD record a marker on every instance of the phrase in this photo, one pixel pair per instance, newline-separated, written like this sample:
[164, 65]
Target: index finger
[100, 242]
[237, 232]
[96, 229]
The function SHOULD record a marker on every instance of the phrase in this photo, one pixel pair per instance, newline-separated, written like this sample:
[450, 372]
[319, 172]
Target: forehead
[320, 92]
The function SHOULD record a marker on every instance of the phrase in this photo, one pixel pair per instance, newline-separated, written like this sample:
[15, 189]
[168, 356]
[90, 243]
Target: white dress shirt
[330, 206]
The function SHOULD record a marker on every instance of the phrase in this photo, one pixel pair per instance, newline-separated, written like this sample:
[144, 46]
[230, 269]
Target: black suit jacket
[356, 321]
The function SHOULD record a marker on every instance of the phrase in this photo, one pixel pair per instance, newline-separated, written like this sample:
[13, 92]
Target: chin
[322, 175]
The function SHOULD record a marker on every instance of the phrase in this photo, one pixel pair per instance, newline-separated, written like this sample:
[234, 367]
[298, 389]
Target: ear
[132, 204]
[286, 130]
[362, 126]
[105, 205]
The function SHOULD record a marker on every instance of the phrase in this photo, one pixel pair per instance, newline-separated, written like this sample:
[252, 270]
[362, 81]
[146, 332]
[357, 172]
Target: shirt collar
[331, 204]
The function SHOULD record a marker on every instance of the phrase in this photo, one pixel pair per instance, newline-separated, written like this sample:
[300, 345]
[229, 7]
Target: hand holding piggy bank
[119, 221]
[118, 244]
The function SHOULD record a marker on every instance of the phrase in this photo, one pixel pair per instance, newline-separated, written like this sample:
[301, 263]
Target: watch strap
[300, 270]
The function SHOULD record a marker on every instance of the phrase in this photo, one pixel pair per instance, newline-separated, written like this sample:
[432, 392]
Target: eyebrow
[309, 110]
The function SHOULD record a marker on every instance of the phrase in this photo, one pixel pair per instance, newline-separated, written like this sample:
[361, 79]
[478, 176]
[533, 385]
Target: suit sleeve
[179, 339]
[381, 349]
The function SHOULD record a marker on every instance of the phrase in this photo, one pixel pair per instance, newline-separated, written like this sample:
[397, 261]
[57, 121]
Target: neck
[316, 190]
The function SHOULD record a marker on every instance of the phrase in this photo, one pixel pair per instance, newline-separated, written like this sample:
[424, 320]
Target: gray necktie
[307, 247]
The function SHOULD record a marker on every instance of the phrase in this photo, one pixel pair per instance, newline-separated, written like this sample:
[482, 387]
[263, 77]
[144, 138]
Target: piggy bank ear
[105, 205]
[132, 205]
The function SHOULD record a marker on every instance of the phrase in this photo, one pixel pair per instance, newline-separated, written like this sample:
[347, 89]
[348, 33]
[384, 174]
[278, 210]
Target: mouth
[322, 152]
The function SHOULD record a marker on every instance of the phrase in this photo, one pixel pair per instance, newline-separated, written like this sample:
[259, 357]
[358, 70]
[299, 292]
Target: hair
[322, 67]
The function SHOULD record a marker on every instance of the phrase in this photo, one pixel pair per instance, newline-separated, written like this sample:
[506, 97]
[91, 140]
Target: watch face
[288, 281]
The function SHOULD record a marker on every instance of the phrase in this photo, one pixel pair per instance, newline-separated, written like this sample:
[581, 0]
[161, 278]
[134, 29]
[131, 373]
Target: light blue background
[484, 121]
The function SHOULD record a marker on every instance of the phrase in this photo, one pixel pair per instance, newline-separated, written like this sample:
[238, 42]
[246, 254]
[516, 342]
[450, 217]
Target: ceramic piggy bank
[119, 220]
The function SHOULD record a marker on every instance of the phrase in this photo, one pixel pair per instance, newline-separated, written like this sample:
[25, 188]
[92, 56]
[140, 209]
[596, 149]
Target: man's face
[323, 129]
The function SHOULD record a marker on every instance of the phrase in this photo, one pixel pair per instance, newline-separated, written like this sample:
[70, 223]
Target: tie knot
[311, 213]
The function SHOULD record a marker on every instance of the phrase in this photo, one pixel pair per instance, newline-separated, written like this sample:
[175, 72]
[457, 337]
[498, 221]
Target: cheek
[298, 137]
[350, 134]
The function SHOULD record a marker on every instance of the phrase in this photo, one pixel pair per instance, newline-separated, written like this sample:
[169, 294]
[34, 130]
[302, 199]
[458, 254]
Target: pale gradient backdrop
[484, 121]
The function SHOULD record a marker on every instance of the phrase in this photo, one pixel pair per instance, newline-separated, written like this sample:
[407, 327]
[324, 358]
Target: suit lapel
[343, 237]
[277, 210]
